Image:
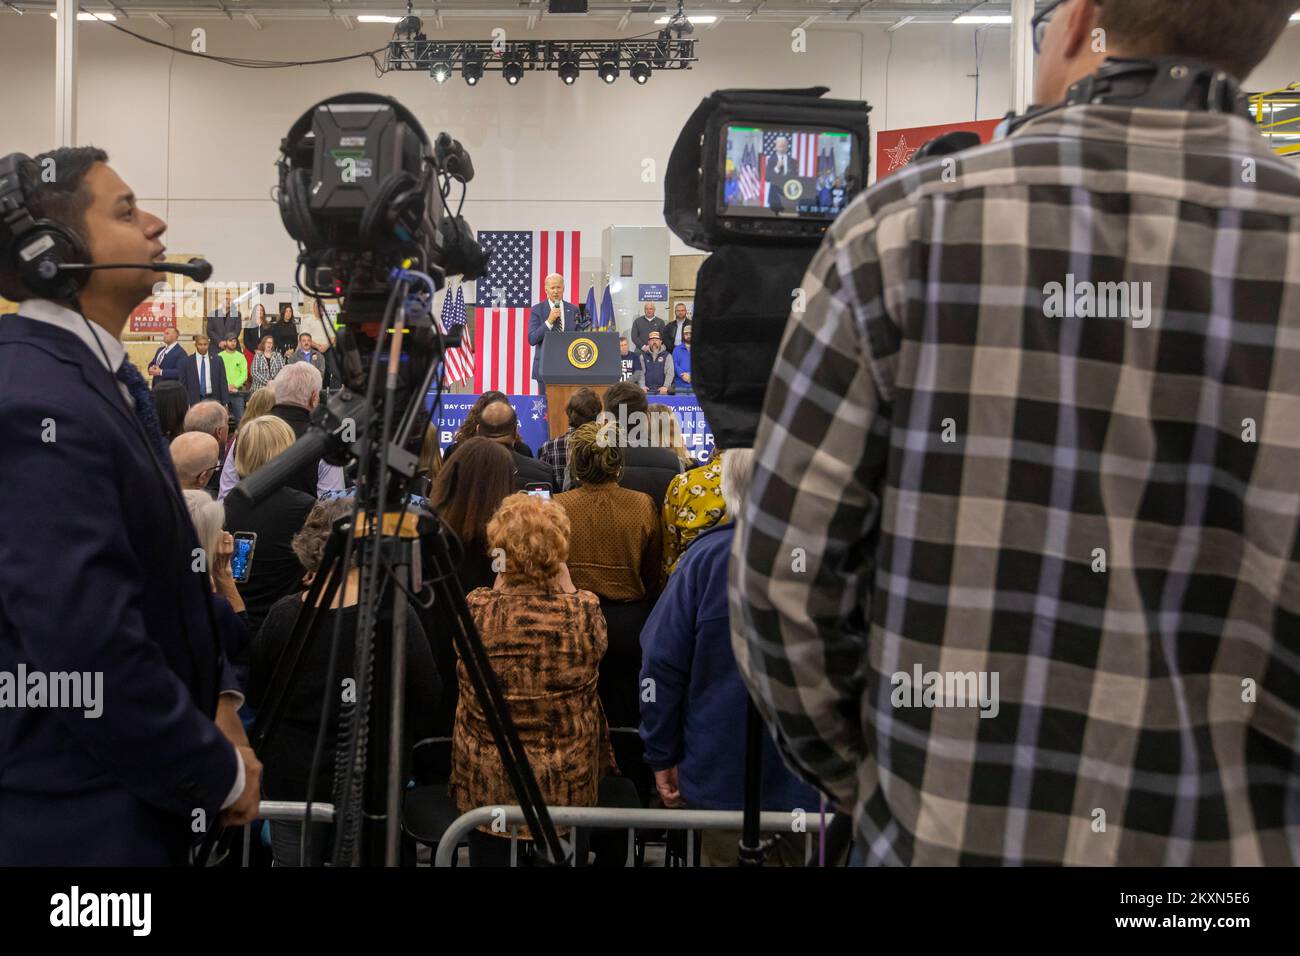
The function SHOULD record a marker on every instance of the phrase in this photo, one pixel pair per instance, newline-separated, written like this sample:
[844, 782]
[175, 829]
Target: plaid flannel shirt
[957, 475]
[554, 454]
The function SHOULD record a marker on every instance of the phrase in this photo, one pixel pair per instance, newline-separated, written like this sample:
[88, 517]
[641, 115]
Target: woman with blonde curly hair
[544, 639]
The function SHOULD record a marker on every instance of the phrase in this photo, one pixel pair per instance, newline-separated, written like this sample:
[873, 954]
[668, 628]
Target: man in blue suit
[168, 359]
[552, 314]
[204, 375]
[100, 586]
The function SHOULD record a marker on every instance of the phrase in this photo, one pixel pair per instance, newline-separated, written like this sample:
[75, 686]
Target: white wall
[198, 140]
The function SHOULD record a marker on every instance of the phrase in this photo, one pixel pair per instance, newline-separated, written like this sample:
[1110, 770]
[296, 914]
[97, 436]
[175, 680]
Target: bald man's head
[498, 422]
[195, 456]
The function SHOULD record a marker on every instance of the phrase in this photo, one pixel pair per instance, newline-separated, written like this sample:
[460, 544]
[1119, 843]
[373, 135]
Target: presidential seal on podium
[582, 353]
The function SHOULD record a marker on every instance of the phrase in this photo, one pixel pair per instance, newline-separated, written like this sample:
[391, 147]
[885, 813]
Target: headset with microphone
[53, 263]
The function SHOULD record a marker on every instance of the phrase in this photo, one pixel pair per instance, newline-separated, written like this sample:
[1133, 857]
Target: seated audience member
[615, 542]
[668, 434]
[467, 492]
[259, 403]
[196, 458]
[275, 571]
[430, 463]
[170, 403]
[544, 639]
[693, 729]
[211, 418]
[218, 545]
[645, 467]
[288, 762]
[297, 393]
[499, 423]
[583, 407]
[692, 503]
[469, 427]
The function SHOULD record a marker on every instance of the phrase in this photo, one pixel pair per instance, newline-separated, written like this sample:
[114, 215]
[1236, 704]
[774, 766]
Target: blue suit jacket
[537, 330]
[171, 365]
[96, 575]
[189, 377]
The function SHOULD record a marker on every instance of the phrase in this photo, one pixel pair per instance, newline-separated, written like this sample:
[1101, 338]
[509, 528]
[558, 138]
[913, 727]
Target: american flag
[514, 281]
[751, 179]
[802, 147]
[458, 363]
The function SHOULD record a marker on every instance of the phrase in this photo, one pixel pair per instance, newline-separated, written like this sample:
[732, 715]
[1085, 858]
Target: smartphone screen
[241, 561]
[540, 491]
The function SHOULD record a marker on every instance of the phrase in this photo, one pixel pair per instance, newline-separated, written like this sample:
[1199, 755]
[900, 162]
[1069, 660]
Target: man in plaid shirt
[1018, 578]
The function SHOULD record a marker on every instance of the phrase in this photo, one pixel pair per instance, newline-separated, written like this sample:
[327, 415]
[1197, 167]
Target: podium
[572, 360]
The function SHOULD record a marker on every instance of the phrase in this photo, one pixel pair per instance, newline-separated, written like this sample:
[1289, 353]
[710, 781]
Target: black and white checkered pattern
[939, 465]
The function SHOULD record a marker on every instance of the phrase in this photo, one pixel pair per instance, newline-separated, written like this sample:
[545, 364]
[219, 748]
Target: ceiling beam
[899, 24]
[158, 19]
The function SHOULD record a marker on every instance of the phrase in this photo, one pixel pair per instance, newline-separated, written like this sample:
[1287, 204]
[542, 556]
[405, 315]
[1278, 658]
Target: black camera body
[360, 190]
[756, 177]
[723, 185]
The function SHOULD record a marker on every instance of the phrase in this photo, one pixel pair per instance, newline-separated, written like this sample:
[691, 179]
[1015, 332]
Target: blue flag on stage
[591, 307]
[607, 311]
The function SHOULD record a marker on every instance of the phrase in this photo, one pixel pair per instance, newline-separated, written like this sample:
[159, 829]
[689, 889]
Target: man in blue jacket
[552, 314]
[169, 358]
[101, 588]
[693, 709]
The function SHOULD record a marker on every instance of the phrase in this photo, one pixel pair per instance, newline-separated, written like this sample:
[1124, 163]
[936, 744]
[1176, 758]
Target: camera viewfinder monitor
[787, 172]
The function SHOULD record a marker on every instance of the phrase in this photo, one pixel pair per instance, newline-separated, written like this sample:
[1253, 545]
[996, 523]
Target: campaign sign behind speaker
[532, 420]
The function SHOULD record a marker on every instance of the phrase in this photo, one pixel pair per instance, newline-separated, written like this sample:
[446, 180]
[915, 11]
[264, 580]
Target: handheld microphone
[200, 270]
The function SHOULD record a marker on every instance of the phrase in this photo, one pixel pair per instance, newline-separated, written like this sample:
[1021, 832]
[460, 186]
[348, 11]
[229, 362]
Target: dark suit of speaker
[190, 379]
[96, 576]
[537, 332]
[169, 363]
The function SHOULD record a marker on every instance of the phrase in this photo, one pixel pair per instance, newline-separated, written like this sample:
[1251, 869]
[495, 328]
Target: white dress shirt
[110, 353]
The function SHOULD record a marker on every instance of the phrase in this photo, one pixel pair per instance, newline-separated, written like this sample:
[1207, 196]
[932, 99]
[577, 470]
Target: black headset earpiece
[295, 212]
[35, 248]
[381, 214]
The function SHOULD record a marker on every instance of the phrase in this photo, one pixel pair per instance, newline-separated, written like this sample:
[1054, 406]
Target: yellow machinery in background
[1278, 116]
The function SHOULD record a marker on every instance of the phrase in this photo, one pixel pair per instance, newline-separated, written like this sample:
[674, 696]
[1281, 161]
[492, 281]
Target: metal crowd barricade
[286, 810]
[615, 818]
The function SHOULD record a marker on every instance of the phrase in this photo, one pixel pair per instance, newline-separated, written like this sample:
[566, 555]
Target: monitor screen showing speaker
[797, 172]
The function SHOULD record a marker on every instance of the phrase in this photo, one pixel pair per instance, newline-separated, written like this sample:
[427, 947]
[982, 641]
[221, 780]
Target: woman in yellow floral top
[693, 502]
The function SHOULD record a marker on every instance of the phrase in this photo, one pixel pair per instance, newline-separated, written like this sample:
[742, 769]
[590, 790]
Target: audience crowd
[593, 567]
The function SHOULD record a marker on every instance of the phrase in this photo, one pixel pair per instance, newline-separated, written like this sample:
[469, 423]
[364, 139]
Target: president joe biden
[552, 314]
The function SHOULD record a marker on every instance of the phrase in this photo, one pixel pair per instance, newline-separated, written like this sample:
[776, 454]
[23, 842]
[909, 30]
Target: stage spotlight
[608, 69]
[440, 71]
[472, 70]
[513, 70]
[640, 71]
[569, 72]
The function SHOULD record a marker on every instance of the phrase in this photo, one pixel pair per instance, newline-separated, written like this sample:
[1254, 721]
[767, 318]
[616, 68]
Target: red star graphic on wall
[901, 154]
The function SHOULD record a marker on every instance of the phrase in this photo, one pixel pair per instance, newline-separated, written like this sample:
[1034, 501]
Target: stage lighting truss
[639, 59]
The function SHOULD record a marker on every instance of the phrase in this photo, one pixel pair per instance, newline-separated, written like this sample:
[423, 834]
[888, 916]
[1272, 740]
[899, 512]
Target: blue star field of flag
[507, 284]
